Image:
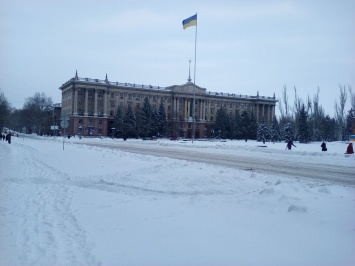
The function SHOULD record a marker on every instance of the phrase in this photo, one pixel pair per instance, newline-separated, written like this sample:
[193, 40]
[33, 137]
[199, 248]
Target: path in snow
[49, 229]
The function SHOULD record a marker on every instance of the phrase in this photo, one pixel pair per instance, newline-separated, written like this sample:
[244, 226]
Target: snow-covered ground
[96, 205]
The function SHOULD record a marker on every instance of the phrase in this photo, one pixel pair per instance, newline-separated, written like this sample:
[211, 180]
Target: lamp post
[80, 131]
[113, 130]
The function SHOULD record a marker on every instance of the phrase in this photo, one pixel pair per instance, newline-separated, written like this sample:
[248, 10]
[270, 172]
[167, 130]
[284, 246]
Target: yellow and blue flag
[191, 21]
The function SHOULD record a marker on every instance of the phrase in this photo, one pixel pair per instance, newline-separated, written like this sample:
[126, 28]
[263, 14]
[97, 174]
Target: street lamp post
[80, 131]
[113, 130]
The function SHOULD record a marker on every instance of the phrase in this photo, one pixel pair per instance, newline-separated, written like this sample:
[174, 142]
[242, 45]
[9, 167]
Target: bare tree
[317, 114]
[298, 105]
[339, 109]
[284, 106]
[4, 110]
[35, 109]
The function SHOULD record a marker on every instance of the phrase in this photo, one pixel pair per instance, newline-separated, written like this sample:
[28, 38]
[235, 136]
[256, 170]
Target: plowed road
[261, 163]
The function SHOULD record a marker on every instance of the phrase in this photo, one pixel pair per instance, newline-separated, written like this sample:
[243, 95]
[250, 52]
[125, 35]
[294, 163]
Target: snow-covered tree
[275, 131]
[146, 119]
[130, 125]
[263, 133]
[4, 110]
[287, 132]
[118, 123]
[303, 128]
[221, 122]
[161, 120]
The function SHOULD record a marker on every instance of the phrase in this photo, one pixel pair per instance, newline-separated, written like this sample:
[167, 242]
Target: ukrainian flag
[191, 21]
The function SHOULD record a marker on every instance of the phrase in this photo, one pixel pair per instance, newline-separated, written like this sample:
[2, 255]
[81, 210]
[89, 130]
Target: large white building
[92, 103]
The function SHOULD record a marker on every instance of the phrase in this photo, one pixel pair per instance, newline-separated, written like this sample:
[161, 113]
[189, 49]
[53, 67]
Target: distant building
[92, 103]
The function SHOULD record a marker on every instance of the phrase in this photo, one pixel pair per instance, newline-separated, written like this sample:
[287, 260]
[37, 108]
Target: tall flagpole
[193, 106]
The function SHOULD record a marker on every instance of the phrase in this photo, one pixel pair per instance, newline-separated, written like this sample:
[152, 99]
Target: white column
[86, 99]
[185, 108]
[75, 111]
[106, 94]
[95, 103]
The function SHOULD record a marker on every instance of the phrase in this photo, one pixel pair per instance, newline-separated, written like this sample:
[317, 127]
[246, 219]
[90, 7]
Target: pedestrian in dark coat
[290, 144]
[324, 146]
[8, 137]
[350, 149]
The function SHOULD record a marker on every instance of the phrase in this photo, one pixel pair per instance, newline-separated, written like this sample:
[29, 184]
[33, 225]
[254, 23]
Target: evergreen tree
[329, 129]
[238, 126]
[118, 123]
[245, 125]
[221, 123]
[263, 133]
[154, 126]
[275, 131]
[129, 123]
[349, 118]
[5, 111]
[230, 127]
[161, 120]
[253, 127]
[303, 128]
[146, 121]
[287, 132]
[317, 135]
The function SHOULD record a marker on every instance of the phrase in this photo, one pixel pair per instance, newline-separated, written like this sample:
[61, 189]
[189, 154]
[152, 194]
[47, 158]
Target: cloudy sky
[242, 46]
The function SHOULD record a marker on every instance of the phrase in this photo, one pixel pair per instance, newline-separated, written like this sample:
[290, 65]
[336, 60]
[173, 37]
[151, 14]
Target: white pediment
[189, 87]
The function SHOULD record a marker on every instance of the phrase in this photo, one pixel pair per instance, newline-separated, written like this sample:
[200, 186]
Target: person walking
[8, 137]
[324, 146]
[350, 149]
[290, 144]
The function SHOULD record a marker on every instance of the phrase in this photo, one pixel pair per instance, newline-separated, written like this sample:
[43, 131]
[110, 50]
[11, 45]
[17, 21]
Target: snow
[98, 205]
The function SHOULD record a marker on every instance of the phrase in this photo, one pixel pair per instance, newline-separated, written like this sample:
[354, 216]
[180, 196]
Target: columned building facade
[91, 105]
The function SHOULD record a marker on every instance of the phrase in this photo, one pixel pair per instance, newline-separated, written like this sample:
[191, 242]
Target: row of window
[113, 104]
[155, 98]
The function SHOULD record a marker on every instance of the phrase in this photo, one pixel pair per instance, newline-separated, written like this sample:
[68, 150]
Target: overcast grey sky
[242, 46]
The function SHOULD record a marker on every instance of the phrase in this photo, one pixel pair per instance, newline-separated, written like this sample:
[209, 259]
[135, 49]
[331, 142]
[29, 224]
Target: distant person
[8, 138]
[290, 144]
[324, 146]
[350, 149]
